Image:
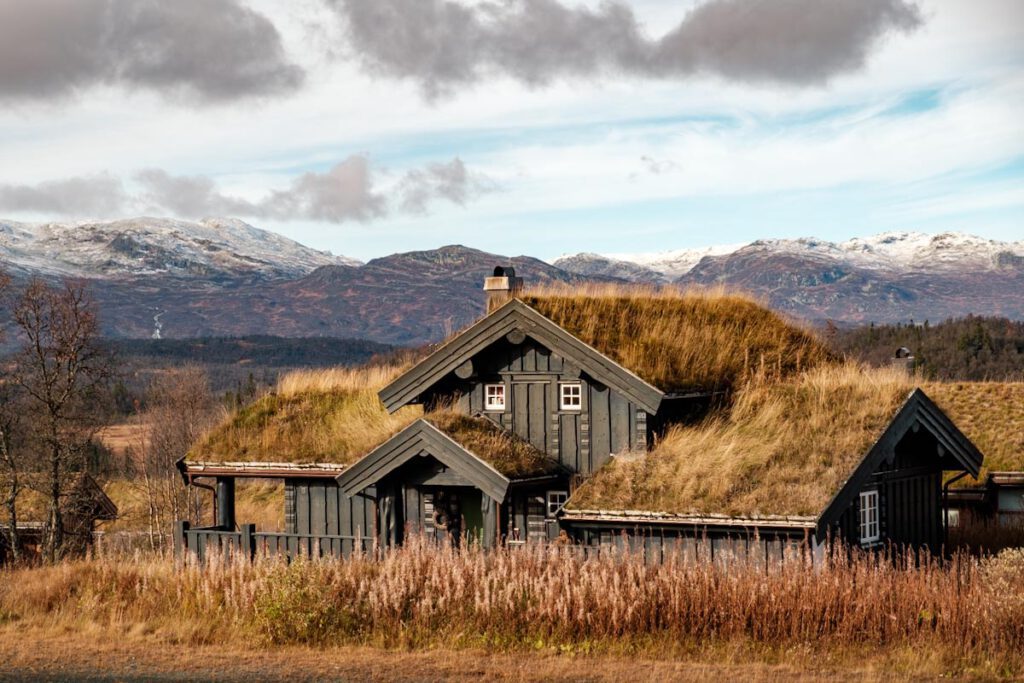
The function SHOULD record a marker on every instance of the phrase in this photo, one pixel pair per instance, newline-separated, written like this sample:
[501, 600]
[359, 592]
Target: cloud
[211, 50]
[348, 191]
[449, 181]
[83, 196]
[443, 44]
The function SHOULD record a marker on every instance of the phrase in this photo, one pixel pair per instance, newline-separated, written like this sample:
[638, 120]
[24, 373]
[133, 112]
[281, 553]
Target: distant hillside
[971, 348]
[257, 351]
[173, 279]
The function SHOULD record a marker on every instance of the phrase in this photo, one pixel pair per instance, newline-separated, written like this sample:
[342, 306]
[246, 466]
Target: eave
[260, 470]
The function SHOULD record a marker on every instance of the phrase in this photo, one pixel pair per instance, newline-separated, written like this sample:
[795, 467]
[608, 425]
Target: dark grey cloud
[348, 191]
[443, 44]
[85, 196]
[210, 50]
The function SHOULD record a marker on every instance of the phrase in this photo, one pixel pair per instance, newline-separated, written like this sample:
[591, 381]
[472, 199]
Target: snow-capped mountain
[889, 252]
[212, 248]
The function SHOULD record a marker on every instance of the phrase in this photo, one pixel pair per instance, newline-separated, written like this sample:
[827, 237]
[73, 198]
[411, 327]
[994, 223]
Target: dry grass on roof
[683, 340]
[782, 449]
[312, 416]
[507, 453]
[990, 414]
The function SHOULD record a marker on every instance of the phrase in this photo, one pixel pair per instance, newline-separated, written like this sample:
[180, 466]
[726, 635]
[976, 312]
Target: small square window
[570, 396]
[494, 397]
[870, 529]
[556, 501]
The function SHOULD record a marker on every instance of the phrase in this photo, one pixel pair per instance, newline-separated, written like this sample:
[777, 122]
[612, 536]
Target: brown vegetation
[967, 612]
[313, 416]
[506, 452]
[679, 340]
[782, 448]
[990, 414]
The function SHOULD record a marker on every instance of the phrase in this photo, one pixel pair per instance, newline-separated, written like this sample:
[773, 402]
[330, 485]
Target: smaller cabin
[83, 506]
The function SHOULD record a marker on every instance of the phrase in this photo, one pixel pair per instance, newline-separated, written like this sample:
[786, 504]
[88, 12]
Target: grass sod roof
[783, 448]
[991, 415]
[509, 454]
[681, 341]
[334, 416]
[321, 416]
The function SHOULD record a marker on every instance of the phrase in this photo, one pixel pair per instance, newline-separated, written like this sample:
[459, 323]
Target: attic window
[494, 397]
[870, 530]
[570, 396]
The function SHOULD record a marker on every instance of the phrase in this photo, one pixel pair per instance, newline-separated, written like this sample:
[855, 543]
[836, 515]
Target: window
[494, 397]
[570, 396]
[869, 527]
[556, 500]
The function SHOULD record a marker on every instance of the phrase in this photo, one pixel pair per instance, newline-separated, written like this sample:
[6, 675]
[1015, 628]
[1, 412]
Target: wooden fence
[250, 543]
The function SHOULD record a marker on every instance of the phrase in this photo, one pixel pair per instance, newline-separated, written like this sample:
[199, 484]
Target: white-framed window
[570, 396]
[556, 501]
[494, 397]
[870, 530]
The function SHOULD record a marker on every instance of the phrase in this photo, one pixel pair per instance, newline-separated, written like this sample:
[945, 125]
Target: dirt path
[31, 656]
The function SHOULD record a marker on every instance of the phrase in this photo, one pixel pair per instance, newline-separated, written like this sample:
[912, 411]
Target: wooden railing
[204, 541]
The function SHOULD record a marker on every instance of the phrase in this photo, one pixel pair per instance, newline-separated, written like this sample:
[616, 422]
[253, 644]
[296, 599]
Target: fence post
[180, 540]
[249, 541]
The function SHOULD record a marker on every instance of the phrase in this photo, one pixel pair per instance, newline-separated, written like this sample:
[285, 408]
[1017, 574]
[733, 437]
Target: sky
[540, 127]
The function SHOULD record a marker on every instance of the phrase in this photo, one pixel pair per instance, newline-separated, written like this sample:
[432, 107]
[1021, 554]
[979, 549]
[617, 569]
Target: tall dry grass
[782, 448]
[968, 610]
[681, 340]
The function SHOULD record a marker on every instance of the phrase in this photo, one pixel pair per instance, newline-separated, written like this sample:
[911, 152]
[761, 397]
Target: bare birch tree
[62, 370]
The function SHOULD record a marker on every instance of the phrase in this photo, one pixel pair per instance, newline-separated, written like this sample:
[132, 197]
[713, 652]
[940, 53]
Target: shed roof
[991, 414]
[783, 449]
[312, 417]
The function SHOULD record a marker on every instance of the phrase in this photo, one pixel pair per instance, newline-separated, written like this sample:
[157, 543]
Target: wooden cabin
[656, 419]
[82, 506]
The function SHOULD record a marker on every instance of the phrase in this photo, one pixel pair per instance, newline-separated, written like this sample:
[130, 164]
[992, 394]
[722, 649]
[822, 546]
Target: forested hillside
[971, 348]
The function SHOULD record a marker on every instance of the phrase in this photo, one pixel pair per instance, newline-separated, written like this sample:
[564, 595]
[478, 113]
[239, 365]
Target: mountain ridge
[224, 278]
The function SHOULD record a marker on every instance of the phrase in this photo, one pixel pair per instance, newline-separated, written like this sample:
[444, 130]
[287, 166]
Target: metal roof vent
[502, 286]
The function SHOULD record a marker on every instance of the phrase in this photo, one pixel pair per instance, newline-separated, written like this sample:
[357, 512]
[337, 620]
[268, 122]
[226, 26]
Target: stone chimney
[904, 360]
[502, 286]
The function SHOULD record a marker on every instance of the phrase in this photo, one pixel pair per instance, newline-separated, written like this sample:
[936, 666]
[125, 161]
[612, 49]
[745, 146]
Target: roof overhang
[422, 438]
[259, 470]
[1006, 478]
[695, 519]
[516, 316]
[957, 450]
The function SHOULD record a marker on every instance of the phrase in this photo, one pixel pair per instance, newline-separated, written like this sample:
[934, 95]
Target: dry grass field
[543, 606]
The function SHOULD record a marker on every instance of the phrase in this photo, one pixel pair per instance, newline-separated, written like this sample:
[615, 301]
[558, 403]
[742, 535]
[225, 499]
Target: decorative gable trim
[917, 409]
[418, 438]
[517, 318]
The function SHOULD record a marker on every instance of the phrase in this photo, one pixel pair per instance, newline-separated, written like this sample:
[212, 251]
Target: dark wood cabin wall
[696, 543]
[581, 440]
[909, 496]
[322, 508]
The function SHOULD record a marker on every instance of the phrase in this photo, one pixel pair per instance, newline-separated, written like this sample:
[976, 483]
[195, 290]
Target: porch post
[489, 507]
[226, 503]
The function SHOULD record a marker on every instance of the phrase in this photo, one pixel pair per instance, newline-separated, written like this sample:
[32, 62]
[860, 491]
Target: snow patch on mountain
[890, 252]
[213, 248]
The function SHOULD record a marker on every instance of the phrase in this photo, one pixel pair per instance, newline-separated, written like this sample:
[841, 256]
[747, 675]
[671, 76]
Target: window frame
[487, 397]
[573, 408]
[870, 526]
[548, 502]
